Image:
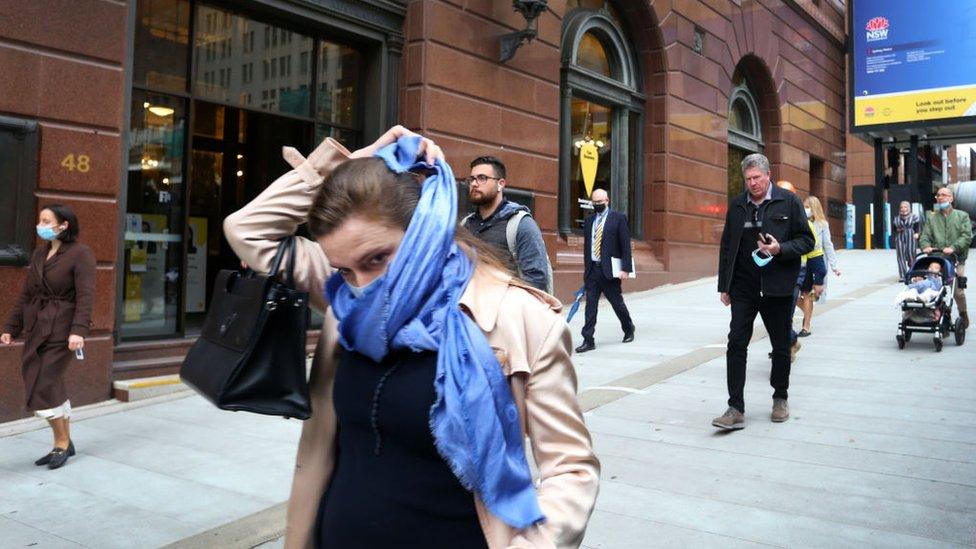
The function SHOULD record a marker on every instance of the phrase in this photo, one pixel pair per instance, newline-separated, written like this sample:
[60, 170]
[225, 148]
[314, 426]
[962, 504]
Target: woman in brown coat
[54, 311]
[373, 470]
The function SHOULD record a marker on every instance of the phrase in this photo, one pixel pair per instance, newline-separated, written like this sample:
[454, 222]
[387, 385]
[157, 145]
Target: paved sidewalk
[881, 449]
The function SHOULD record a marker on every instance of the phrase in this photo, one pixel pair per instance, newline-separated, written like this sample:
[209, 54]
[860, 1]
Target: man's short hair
[492, 161]
[755, 160]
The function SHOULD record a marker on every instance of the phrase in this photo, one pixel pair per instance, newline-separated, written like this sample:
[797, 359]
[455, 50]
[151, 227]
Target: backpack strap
[511, 233]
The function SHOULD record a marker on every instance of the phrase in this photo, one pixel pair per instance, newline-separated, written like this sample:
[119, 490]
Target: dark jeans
[596, 283]
[775, 313]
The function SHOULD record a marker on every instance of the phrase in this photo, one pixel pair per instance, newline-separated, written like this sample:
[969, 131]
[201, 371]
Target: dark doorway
[236, 155]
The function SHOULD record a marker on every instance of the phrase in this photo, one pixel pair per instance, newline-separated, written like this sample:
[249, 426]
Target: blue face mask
[360, 291]
[942, 205]
[761, 258]
[47, 233]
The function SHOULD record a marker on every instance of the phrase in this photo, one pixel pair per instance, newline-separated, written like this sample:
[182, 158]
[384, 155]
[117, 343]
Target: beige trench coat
[530, 338]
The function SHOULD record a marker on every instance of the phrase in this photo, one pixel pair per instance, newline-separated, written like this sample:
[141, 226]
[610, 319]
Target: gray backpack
[511, 234]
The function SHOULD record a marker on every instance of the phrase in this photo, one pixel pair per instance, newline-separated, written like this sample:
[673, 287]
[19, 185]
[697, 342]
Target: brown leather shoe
[781, 410]
[731, 420]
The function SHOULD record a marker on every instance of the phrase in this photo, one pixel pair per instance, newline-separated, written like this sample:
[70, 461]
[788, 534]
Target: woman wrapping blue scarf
[434, 364]
[414, 306]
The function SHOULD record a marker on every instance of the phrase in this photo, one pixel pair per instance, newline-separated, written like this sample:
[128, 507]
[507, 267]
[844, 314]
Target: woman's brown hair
[366, 187]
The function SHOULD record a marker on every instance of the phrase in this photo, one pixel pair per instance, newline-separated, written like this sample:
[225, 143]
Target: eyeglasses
[480, 178]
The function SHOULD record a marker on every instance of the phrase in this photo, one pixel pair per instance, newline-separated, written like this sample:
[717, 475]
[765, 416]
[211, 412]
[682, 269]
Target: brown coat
[530, 338]
[56, 302]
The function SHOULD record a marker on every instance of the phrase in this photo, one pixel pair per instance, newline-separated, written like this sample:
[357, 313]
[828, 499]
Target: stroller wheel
[901, 341]
[938, 344]
[960, 332]
[908, 337]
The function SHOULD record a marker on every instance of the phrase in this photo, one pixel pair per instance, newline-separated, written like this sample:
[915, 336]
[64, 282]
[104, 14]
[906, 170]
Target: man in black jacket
[766, 232]
[605, 236]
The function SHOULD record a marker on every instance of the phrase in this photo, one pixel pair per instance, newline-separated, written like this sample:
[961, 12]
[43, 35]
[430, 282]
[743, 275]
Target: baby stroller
[933, 316]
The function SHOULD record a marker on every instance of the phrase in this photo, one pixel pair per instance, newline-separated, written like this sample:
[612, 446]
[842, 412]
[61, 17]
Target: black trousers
[776, 313]
[596, 283]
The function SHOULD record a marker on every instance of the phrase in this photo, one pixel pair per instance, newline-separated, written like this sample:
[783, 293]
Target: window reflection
[154, 215]
[161, 39]
[592, 55]
[233, 66]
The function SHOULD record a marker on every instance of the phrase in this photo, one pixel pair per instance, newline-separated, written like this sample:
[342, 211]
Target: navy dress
[390, 487]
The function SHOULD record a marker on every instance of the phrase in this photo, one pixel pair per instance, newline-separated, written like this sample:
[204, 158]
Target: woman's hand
[76, 342]
[6, 339]
[428, 148]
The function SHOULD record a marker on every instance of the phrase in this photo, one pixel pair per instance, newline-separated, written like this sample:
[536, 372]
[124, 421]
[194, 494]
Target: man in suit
[605, 235]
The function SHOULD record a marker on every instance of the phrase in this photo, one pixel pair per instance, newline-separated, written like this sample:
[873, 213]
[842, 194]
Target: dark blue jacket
[615, 243]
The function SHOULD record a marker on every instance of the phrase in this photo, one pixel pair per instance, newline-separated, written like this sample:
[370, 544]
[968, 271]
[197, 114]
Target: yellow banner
[912, 107]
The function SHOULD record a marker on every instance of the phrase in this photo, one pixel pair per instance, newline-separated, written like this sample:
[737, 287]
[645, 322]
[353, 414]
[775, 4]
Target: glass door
[236, 154]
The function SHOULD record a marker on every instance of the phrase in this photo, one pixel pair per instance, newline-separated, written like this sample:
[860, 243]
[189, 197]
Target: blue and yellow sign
[913, 61]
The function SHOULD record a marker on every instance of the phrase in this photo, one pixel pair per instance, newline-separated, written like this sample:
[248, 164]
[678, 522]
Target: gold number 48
[81, 163]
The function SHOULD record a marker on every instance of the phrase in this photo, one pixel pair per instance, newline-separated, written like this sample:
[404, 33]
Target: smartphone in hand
[764, 238]
[79, 354]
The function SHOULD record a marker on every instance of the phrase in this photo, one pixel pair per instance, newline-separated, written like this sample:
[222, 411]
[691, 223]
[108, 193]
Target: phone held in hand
[764, 238]
[79, 354]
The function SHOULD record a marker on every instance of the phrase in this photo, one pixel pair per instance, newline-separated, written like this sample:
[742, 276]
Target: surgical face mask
[809, 212]
[942, 205]
[46, 232]
[359, 291]
[599, 208]
[761, 258]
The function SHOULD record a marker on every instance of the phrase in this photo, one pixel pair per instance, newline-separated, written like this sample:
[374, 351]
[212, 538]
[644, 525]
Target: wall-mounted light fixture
[530, 10]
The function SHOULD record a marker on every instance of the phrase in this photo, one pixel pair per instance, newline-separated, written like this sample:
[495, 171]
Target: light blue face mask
[942, 205]
[47, 233]
[761, 258]
[359, 291]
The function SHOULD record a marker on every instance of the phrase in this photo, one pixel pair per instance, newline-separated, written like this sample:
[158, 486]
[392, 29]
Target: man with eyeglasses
[948, 232]
[505, 224]
[766, 232]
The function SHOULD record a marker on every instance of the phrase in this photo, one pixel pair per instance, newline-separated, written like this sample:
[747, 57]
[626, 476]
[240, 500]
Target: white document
[615, 267]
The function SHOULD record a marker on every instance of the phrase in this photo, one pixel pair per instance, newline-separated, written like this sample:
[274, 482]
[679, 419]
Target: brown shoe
[781, 410]
[793, 350]
[731, 420]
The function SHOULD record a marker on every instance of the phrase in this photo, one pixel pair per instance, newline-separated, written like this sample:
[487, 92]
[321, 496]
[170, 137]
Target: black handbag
[251, 353]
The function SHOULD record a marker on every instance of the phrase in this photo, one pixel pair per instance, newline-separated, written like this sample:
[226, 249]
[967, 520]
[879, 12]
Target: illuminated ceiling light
[240, 156]
[161, 111]
[145, 105]
[165, 181]
[240, 173]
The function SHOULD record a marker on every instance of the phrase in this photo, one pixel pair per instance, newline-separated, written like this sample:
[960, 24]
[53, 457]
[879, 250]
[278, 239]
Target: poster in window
[154, 232]
[196, 265]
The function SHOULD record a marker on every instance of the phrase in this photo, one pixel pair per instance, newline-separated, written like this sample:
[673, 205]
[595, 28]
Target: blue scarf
[414, 306]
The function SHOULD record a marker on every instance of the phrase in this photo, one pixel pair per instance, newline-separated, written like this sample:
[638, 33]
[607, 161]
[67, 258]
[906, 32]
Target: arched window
[601, 117]
[745, 130]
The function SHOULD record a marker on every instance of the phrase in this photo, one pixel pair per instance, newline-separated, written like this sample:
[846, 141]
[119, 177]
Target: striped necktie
[598, 240]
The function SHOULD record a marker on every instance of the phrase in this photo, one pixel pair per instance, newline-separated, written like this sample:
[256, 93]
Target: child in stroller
[925, 288]
[926, 303]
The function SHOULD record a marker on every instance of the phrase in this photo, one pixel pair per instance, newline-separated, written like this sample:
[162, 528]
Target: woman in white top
[816, 272]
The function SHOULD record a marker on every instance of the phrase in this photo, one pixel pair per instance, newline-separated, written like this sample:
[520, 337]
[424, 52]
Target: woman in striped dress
[907, 228]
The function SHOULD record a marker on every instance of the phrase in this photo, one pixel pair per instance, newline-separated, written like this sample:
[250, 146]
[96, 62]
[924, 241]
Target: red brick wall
[456, 91]
[62, 62]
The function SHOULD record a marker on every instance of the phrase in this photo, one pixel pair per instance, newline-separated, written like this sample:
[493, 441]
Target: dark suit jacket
[615, 243]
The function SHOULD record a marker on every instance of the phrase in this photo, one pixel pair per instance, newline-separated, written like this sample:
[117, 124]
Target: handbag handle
[287, 246]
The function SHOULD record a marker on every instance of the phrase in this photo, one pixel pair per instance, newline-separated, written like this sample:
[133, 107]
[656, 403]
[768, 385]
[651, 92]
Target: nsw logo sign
[877, 29]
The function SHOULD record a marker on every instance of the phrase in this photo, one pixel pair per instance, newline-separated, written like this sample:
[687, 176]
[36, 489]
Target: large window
[18, 174]
[602, 115]
[745, 130]
[216, 94]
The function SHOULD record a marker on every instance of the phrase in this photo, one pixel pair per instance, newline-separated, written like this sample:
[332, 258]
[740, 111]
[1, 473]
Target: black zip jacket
[781, 216]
